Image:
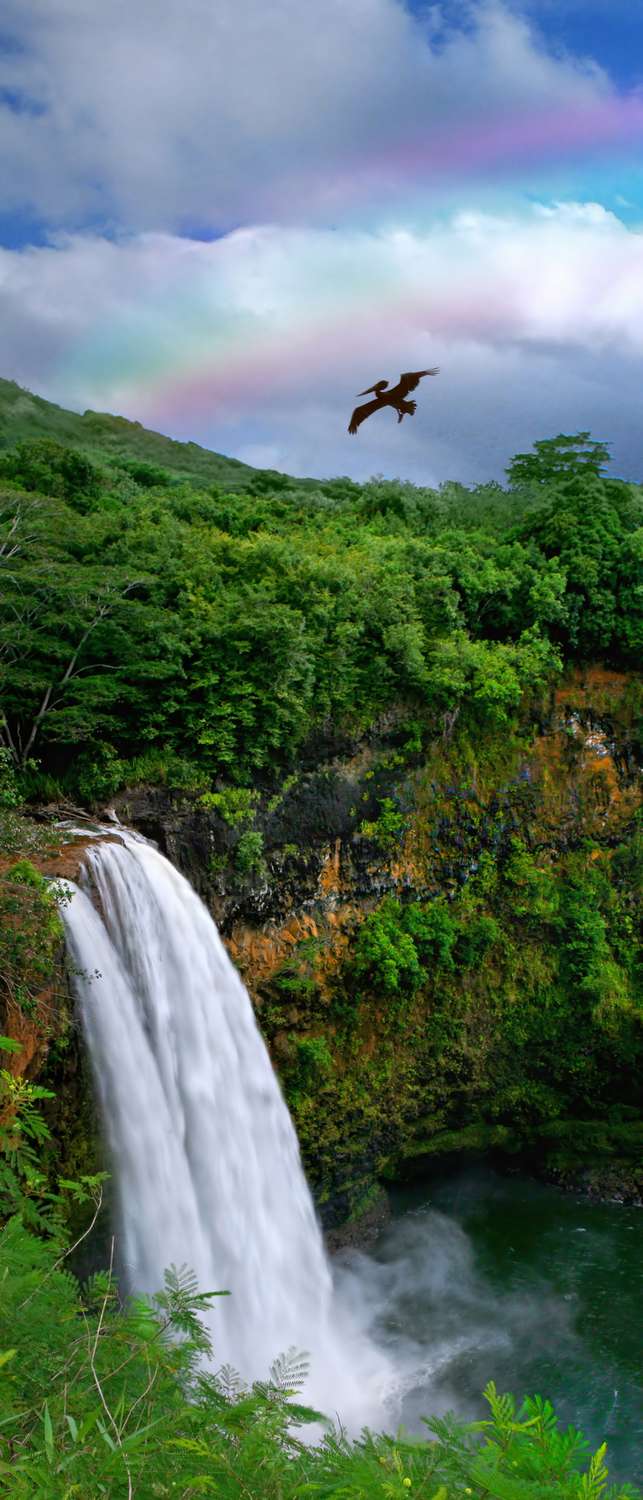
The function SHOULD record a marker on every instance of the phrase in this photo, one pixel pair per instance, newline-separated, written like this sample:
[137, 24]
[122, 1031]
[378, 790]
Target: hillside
[114, 440]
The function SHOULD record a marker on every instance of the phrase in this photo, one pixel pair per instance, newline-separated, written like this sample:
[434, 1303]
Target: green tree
[562, 457]
[51, 469]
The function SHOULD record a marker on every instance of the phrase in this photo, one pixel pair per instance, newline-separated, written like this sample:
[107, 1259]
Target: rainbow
[525, 140]
[223, 361]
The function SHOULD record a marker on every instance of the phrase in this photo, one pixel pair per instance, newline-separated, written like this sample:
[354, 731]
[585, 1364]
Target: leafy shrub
[98, 773]
[148, 476]
[235, 804]
[397, 947]
[480, 934]
[313, 1063]
[434, 931]
[248, 854]
[164, 768]
[533, 889]
[388, 827]
[31, 934]
[385, 956]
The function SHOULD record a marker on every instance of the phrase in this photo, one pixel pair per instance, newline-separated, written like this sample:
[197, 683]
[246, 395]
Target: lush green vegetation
[507, 1016]
[30, 935]
[168, 616]
[97, 1398]
[158, 628]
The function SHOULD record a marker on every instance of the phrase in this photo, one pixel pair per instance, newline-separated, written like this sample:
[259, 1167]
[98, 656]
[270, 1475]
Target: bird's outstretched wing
[412, 379]
[361, 413]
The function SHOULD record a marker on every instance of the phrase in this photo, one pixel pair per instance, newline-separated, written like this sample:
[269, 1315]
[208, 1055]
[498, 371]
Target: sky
[224, 218]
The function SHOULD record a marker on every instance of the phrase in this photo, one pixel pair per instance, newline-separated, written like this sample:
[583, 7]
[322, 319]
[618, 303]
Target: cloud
[212, 113]
[255, 344]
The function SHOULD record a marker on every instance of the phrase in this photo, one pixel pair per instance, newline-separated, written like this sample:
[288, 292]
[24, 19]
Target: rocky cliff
[510, 842]
[438, 942]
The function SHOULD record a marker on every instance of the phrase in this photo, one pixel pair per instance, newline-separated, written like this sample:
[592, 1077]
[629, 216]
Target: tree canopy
[139, 611]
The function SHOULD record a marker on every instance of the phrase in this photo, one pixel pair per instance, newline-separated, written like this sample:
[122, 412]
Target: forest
[153, 629]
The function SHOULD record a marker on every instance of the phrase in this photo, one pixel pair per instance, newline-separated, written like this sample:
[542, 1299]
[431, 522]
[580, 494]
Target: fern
[540, 1412]
[230, 1383]
[594, 1483]
[504, 1487]
[182, 1306]
[289, 1372]
[503, 1410]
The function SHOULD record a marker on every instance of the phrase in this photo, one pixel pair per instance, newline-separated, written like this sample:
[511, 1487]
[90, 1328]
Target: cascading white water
[205, 1157]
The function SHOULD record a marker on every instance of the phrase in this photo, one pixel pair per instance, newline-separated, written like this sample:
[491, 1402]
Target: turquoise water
[482, 1276]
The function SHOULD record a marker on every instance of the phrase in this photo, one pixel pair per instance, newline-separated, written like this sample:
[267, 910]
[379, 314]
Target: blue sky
[225, 219]
[610, 31]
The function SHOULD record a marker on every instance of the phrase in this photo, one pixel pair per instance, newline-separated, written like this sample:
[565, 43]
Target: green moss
[469, 1138]
[312, 1065]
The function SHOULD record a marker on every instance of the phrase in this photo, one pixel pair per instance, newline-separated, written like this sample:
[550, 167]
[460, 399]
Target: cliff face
[513, 843]
[439, 947]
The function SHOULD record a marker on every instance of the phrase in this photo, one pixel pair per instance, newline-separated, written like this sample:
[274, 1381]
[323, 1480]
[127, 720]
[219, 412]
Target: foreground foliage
[100, 1398]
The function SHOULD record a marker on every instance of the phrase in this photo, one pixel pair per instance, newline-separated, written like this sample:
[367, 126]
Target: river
[483, 1276]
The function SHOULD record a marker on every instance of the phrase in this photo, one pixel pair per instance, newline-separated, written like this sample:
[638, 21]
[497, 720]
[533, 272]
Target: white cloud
[166, 111]
[257, 343]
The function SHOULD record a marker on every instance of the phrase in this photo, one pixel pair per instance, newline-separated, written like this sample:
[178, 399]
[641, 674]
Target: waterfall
[204, 1154]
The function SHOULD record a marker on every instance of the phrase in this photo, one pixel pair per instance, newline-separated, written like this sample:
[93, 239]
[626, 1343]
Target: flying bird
[394, 397]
